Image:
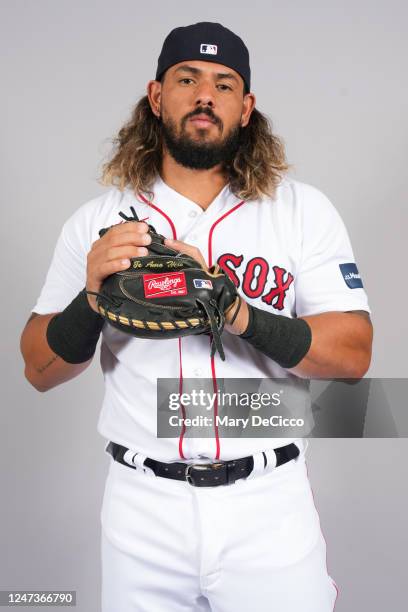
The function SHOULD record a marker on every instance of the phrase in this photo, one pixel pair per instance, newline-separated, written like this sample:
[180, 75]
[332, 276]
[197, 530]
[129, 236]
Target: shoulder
[302, 195]
[306, 203]
[99, 207]
[84, 224]
[296, 203]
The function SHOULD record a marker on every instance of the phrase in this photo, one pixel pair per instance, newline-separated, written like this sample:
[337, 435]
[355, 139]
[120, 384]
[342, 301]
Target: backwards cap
[209, 42]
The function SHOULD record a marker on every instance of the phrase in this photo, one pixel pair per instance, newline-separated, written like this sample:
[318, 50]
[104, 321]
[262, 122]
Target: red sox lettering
[256, 276]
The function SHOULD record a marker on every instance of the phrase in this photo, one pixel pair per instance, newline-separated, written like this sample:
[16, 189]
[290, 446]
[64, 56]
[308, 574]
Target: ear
[154, 95]
[247, 108]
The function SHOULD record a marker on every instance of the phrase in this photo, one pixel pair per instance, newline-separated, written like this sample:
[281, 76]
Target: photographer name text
[254, 420]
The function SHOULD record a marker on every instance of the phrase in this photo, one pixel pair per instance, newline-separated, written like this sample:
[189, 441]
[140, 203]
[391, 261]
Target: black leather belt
[205, 474]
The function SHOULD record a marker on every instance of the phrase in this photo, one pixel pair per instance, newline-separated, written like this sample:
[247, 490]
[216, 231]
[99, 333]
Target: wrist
[73, 333]
[92, 303]
[240, 323]
[284, 339]
[92, 298]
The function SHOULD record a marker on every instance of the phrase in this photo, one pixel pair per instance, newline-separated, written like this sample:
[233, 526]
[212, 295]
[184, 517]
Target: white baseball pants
[255, 545]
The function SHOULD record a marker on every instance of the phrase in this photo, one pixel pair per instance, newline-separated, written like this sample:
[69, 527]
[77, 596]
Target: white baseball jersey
[290, 255]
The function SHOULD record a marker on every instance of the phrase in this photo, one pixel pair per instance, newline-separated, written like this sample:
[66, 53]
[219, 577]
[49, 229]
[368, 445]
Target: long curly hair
[135, 162]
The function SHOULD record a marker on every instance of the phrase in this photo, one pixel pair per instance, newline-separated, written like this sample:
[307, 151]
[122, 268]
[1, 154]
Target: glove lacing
[216, 319]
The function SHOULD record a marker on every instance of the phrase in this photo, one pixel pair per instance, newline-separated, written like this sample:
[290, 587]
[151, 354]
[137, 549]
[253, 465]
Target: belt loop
[138, 461]
[271, 460]
[129, 456]
[259, 464]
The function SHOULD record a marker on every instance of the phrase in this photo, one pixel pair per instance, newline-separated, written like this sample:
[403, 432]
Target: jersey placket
[194, 226]
[200, 363]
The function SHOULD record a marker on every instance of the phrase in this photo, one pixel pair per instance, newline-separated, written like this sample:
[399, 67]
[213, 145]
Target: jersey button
[193, 236]
[192, 213]
[198, 372]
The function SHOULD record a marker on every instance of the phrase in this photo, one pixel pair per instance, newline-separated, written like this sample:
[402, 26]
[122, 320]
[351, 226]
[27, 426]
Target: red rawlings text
[164, 285]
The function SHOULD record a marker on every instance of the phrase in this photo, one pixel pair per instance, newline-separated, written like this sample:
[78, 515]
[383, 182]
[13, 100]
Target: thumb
[174, 244]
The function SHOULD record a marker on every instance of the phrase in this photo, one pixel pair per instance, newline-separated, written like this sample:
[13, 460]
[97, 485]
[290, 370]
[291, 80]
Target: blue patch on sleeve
[351, 275]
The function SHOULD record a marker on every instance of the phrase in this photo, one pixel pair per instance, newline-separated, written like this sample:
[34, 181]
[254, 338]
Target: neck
[199, 186]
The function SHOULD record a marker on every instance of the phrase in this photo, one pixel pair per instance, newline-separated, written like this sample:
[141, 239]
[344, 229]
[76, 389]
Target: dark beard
[200, 156]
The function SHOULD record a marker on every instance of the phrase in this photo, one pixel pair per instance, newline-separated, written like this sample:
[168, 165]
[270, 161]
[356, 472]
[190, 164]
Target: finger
[126, 235]
[125, 252]
[179, 245]
[175, 244]
[134, 227]
[186, 249]
[131, 238]
[110, 267]
[96, 276]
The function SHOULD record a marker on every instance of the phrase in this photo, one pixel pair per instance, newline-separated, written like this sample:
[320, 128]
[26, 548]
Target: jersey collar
[170, 199]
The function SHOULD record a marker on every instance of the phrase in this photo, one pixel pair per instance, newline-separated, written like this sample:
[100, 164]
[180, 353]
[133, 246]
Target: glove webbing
[134, 218]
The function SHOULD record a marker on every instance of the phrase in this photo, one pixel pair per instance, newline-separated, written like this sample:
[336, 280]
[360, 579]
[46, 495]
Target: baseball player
[188, 523]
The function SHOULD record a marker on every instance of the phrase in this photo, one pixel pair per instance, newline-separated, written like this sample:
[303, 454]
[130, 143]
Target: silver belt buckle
[203, 467]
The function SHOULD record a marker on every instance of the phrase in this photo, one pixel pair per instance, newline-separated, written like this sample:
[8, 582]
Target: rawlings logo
[164, 285]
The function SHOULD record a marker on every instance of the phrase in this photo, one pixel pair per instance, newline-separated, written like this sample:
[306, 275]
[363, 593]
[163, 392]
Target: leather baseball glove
[167, 294]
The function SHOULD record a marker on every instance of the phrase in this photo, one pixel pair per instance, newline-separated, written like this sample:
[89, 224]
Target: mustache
[203, 111]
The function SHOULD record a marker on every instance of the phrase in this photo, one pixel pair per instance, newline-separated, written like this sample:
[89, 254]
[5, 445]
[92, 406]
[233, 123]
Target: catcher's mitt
[167, 294]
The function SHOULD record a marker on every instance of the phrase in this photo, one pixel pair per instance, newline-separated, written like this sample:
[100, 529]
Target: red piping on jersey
[214, 226]
[183, 429]
[173, 230]
[213, 373]
[215, 387]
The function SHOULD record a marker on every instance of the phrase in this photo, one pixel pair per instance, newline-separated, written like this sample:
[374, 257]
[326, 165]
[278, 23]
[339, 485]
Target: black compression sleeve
[281, 338]
[73, 333]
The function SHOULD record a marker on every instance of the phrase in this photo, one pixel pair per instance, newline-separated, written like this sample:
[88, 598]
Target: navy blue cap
[206, 41]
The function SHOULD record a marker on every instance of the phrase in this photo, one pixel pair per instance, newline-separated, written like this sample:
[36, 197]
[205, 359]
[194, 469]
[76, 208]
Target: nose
[205, 94]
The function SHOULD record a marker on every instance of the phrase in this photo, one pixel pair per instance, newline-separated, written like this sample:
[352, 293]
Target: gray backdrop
[332, 76]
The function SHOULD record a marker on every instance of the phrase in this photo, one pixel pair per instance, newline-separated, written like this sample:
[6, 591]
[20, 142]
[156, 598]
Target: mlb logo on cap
[209, 49]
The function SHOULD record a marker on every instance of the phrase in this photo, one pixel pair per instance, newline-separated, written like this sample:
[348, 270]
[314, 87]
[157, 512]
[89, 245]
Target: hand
[187, 249]
[112, 253]
[241, 322]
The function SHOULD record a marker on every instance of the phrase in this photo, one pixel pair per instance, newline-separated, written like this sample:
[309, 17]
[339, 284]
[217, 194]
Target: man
[199, 162]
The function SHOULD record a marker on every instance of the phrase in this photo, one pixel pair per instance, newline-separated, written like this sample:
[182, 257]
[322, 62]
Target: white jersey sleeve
[327, 276]
[66, 276]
